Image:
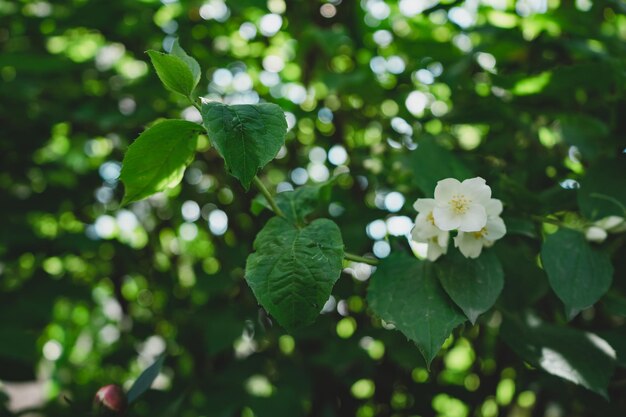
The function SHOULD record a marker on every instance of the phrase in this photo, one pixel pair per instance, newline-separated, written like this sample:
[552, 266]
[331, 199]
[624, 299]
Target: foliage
[381, 100]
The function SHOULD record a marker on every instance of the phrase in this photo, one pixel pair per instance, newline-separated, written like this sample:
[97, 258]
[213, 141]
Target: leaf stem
[268, 196]
[356, 258]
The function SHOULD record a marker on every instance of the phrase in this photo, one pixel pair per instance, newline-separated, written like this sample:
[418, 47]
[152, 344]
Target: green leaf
[585, 132]
[580, 357]
[431, 163]
[157, 159]
[473, 284]
[405, 291]
[602, 191]
[301, 202]
[578, 273]
[191, 63]
[294, 269]
[145, 380]
[174, 73]
[247, 136]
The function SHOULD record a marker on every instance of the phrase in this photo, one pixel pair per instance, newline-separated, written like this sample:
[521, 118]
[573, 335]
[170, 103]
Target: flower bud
[110, 399]
[613, 224]
[595, 234]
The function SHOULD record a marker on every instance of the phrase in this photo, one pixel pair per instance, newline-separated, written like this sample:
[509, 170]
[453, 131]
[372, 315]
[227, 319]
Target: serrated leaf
[192, 64]
[174, 73]
[299, 203]
[145, 380]
[293, 270]
[405, 291]
[580, 357]
[473, 284]
[578, 273]
[157, 159]
[247, 136]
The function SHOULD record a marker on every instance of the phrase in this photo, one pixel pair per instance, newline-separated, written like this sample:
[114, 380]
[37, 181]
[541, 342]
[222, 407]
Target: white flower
[425, 230]
[461, 205]
[437, 246]
[471, 243]
[595, 234]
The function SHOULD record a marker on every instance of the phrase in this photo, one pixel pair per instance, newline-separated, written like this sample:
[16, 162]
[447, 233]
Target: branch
[268, 197]
[356, 258]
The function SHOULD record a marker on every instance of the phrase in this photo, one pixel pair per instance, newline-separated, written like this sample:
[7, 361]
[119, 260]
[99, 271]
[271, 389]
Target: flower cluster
[464, 206]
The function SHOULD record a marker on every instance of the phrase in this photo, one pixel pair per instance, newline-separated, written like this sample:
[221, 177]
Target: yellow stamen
[460, 204]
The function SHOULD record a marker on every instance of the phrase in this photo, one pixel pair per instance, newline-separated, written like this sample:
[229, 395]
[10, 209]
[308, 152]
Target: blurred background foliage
[525, 93]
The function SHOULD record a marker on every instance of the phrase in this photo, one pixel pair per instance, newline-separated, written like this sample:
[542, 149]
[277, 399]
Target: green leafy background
[528, 97]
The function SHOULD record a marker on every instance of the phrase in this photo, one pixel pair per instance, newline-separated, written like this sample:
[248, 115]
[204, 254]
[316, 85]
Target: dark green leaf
[473, 284]
[174, 73]
[578, 273]
[191, 63]
[157, 159]
[301, 202]
[145, 380]
[294, 269]
[582, 358]
[405, 291]
[584, 132]
[603, 190]
[431, 163]
[246, 136]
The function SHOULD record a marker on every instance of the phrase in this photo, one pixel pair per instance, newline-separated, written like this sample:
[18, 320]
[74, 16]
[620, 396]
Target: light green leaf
[294, 269]
[192, 64]
[157, 159]
[405, 291]
[247, 136]
[580, 357]
[473, 284]
[578, 273]
[174, 73]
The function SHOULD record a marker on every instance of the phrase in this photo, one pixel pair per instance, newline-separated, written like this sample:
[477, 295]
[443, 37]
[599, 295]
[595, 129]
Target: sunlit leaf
[157, 159]
[580, 357]
[174, 72]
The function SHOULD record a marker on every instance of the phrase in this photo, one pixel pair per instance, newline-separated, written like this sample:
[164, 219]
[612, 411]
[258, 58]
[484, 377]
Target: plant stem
[268, 196]
[193, 102]
[356, 258]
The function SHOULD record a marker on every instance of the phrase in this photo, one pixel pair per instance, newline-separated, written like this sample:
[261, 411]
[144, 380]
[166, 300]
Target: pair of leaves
[416, 295]
[293, 270]
[578, 273]
[246, 136]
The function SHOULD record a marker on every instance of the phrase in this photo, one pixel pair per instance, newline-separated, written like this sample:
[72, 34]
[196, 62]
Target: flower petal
[424, 204]
[493, 207]
[469, 245]
[445, 218]
[474, 219]
[446, 189]
[495, 229]
[434, 250]
[443, 238]
[476, 189]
